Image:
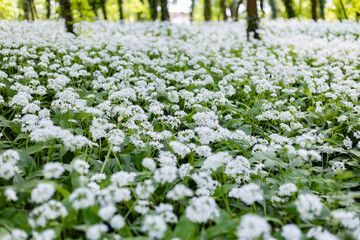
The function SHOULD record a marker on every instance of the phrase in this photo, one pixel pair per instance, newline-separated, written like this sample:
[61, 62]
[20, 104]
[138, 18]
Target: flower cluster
[165, 131]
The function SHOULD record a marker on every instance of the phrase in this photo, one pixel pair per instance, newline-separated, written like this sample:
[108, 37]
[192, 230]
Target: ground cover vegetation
[164, 131]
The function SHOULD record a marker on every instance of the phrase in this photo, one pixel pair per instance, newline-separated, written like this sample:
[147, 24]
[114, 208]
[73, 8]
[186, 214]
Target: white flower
[287, 189]
[252, 227]
[173, 96]
[216, 160]
[319, 234]
[179, 148]
[82, 198]
[155, 226]
[348, 219]
[117, 222]
[165, 174]
[342, 118]
[10, 195]
[309, 206]
[166, 210]
[16, 234]
[185, 169]
[122, 178]
[53, 170]
[249, 193]
[142, 206]
[107, 212]
[94, 232]
[97, 177]
[149, 163]
[237, 166]
[9, 157]
[348, 143]
[50, 210]
[7, 170]
[179, 192]
[338, 166]
[81, 166]
[291, 232]
[116, 137]
[145, 189]
[48, 234]
[202, 209]
[206, 119]
[42, 192]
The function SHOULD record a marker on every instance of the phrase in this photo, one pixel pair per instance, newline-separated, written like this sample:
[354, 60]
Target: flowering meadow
[179, 132]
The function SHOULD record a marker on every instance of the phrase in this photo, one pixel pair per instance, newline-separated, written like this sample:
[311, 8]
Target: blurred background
[178, 10]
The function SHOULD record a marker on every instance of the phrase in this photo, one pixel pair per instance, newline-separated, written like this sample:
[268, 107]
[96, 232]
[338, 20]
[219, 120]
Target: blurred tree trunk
[103, 8]
[223, 9]
[289, 8]
[207, 10]
[343, 9]
[67, 15]
[192, 7]
[153, 9]
[121, 10]
[48, 9]
[27, 10]
[93, 5]
[322, 8]
[273, 9]
[252, 19]
[164, 10]
[140, 15]
[313, 10]
[262, 8]
[33, 10]
[234, 9]
[80, 8]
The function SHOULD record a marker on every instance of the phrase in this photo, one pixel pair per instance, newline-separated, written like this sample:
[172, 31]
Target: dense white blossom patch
[183, 132]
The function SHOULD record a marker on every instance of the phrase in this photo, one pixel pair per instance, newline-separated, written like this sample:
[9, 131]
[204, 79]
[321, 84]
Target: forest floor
[166, 131]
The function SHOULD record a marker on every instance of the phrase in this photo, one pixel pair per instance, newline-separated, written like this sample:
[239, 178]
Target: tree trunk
[273, 9]
[27, 9]
[322, 8]
[103, 8]
[289, 8]
[234, 9]
[192, 10]
[313, 10]
[262, 8]
[140, 15]
[93, 7]
[164, 10]
[153, 9]
[67, 14]
[207, 10]
[223, 9]
[121, 10]
[34, 10]
[30, 10]
[48, 9]
[252, 19]
[343, 9]
[79, 7]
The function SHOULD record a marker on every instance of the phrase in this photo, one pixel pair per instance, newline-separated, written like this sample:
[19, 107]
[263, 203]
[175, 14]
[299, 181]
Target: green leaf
[185, 229]
[224, 224]
[6, 224]
[224, 189]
